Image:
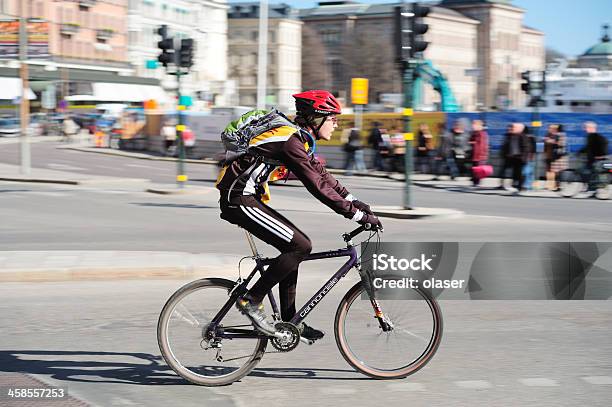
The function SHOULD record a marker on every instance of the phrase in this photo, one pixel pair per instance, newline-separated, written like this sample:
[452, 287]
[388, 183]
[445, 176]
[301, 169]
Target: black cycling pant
[273, 228]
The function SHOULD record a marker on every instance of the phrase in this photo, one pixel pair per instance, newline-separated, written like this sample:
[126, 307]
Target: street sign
[151, 64]
[477, 72]
[359, 91]
[185, 101]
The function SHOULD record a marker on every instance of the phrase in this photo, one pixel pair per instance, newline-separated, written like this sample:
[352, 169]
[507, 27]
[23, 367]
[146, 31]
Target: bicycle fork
[385, 324]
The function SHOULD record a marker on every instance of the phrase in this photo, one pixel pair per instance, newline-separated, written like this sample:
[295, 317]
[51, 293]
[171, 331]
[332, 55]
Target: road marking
[138, 166]
[474, 384]
[406, 386]
[338, 390]
[539, 382]
[64, 167]
[598, 379]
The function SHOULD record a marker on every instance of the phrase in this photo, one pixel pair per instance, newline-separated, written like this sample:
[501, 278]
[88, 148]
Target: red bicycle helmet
[316, 103]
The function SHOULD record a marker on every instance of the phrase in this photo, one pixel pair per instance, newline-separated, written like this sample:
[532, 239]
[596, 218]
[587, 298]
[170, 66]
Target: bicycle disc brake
[291, 337]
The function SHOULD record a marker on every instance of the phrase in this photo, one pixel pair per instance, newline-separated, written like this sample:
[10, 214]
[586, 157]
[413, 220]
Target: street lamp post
[25, 102]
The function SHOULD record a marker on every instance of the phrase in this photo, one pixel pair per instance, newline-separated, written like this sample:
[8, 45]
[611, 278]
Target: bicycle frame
[261, 263]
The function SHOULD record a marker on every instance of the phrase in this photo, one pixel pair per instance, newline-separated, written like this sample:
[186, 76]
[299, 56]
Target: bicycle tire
[570, 183]
[166, 349]
[360, 365]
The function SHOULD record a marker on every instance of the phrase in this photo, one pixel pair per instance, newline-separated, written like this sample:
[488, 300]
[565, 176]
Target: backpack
[238, 133]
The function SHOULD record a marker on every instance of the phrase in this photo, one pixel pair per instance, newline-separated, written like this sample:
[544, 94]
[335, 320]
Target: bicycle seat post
[251, 241]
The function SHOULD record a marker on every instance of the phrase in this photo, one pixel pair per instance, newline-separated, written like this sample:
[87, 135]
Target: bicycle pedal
[307, 341]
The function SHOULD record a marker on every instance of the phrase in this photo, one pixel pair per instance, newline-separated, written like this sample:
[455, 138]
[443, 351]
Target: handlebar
[349, 236]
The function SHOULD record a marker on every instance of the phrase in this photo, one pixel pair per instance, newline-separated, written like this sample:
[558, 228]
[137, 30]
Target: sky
[571, 26]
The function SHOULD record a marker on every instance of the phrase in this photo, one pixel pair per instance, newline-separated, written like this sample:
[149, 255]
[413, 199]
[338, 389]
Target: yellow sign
[536, 124]
[408, 112]
[359, 91]
[182, 178]
[408, 136]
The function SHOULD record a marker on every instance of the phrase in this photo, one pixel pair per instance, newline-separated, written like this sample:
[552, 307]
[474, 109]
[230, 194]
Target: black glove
[372, 220]
[362, 206]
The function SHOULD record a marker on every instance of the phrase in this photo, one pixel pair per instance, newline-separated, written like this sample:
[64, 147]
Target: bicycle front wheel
[181, 334]
[412, 342]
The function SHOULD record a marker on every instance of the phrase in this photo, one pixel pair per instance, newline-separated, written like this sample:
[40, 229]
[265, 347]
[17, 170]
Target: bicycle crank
[286, 338]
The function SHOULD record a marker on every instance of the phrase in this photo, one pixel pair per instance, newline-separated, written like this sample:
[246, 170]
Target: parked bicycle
[207, 341]
[598, 179]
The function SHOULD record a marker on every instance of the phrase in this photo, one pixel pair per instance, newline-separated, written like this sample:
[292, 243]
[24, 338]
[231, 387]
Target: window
[254, 35]
[559, 103]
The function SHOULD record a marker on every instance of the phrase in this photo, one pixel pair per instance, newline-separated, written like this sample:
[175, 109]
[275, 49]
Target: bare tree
[368, 55]
[315, 72]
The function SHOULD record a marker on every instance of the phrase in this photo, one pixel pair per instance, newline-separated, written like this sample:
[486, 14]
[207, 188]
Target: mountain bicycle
[598, 179]
[207, 341]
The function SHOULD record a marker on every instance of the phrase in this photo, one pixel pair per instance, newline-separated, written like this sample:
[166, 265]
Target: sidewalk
[10, 172]
[32, 266]
[489, 186]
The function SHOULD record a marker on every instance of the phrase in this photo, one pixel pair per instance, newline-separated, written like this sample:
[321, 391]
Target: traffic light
[166, 45]
[417, 29]
[186, 53]
[409, 28]
[526, 85]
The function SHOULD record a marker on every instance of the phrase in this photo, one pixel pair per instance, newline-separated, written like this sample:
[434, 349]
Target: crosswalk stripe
[598, 379]
[406, 386]
[474, 384]
[539, 382]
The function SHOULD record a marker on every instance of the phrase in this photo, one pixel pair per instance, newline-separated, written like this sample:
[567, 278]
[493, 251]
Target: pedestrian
[375, 141]
[425, 148]
[69, 129]
[528, 171]
[398, 150]
[446, 151]
[354, 149]
[503, 154]
[460, 146]
[479, 140]
[168, 133]
[189, 141]
[514, 150]
[596, 150]
[555, 154]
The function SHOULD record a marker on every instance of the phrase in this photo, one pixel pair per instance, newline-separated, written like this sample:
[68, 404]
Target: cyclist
[596, 150]
[242, 186]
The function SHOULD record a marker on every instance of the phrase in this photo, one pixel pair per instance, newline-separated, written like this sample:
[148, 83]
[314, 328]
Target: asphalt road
[372, 190]
[98, 340]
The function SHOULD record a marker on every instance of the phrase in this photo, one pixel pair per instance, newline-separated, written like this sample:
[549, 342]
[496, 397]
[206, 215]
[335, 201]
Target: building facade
[203, 20]
[92, 33]
[505, 48]
[284, 53]
[479, 46]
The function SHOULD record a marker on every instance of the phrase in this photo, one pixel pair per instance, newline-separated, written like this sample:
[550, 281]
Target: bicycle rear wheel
[570, 183]
[181, 330]
[414, 339]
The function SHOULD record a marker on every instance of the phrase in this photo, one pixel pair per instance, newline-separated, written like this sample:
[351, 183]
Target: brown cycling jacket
[291, 148]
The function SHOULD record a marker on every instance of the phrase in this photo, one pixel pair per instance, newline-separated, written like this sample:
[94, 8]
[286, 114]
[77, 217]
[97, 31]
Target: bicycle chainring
[293, 337]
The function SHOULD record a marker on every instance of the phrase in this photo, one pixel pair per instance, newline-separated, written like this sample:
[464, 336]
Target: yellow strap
[221, 174]
[266, 197]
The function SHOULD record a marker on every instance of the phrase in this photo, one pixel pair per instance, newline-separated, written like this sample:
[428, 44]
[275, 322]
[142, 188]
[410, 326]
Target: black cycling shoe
[309, 332]
[255, 312]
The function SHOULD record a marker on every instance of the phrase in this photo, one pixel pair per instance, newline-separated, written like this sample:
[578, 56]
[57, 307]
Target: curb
[111, 273]
[397, 212]
[176, 191]
[74, 182]
[140, 156]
